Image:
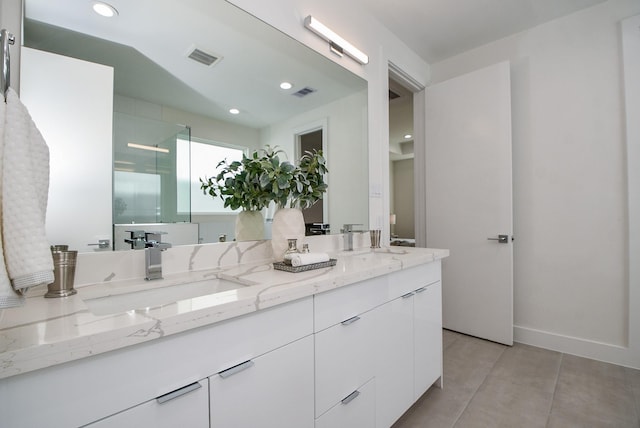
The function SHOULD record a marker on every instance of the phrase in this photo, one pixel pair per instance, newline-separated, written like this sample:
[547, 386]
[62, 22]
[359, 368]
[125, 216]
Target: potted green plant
[239, 185]
[261, 178]
[305, 186]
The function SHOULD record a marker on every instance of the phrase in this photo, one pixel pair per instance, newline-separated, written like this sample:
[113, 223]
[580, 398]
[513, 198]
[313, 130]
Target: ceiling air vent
[304, 92]
[202, 57]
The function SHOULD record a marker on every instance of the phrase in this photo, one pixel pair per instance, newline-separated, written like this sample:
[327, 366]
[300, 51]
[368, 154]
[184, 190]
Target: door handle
[502, 239]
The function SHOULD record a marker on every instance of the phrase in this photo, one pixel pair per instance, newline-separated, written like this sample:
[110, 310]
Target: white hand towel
[304, 259]
[8, 296]
[25, 189]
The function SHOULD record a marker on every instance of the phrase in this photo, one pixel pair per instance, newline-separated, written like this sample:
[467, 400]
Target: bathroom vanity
[351, 345]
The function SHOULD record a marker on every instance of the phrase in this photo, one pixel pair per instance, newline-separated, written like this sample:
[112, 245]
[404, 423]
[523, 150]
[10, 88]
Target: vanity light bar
[152, 148]
[336, 42]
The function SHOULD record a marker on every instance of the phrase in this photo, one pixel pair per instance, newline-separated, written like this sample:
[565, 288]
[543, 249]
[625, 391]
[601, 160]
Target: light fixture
[234, 111]
[145, 147]
[407, 136]
[104, 9]
[337, 44]
[286, 85]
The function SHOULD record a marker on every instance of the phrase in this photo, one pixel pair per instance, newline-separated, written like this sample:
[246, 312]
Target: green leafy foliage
[258, 179]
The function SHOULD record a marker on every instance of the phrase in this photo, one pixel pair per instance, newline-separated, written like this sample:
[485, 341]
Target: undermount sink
[156, 295]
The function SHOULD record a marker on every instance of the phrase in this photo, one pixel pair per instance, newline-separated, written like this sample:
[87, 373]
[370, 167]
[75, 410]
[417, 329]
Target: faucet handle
[136, 239]
[154, 236]
[154, 240]
[348, 227]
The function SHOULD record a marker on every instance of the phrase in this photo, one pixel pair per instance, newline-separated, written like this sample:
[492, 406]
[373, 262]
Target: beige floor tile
[468, 361]
[574, 419]
[593, 390]
[448, 337]
[529, 366]
[507, 403]
[437, 408]
[491, 385]
[632, 377]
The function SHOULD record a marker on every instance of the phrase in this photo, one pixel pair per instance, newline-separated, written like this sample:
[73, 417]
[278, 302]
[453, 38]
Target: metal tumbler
[64, 271]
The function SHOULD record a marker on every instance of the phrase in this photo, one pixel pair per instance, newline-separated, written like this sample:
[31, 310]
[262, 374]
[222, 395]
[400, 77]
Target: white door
[469, 199]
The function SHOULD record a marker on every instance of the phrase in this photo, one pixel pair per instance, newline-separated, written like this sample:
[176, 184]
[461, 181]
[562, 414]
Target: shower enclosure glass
[148, 174]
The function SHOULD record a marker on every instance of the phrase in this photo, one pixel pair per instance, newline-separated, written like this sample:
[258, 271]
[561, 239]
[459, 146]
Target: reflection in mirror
[157, 87]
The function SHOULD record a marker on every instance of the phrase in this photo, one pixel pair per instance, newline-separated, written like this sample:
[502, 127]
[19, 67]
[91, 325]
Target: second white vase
[288, 223]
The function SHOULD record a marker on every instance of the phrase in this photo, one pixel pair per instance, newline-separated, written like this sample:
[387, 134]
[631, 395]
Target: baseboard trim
[606, 352]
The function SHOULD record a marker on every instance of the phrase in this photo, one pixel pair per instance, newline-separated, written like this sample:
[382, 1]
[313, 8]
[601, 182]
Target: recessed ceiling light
[286, 85]
[145, 147]
[104, 9]
[407, 136]
[234, 111]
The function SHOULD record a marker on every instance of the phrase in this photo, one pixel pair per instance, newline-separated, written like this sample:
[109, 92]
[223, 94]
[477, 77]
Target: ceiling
[439, 29]
[149, 41]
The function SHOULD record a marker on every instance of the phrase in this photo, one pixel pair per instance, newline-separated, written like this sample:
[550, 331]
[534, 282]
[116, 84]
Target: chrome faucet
[153, 248]
[347, 231]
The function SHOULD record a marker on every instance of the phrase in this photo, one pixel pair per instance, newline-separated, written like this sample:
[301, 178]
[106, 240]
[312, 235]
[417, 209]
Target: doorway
[401, 165]
[315, 217]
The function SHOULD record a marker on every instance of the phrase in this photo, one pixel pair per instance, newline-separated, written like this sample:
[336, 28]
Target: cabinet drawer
[345, 359]
[356, 410]
[335, 306]
[275, 389]
[188, 406]
[407, 280]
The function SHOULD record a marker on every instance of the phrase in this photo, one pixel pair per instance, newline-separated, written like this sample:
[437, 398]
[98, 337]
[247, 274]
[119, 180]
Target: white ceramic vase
[249, 226]
[288, 223]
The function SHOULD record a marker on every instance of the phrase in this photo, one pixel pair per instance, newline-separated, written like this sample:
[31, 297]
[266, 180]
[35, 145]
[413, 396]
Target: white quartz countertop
[46, 332]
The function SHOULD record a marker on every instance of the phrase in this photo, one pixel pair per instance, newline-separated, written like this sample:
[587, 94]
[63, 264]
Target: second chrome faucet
[153, 247]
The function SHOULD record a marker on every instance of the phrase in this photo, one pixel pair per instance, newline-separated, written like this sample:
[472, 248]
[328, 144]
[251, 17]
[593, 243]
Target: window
[204, 160]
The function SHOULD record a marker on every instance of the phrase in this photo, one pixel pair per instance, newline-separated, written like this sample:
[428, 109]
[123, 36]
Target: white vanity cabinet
[427, 337]
[409, 352]
[272, 390]
[345, 337]
[394, 356]
[356, 356]
[187, 406]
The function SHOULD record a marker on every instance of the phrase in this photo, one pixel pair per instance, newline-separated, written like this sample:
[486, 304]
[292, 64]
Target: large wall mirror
[165, 97]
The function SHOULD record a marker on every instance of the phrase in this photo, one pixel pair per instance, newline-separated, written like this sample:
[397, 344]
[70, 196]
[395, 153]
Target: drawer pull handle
[349, 398]
[406, 296]
[178, 392]
[421, 289]
[236, 369]
[350, 320]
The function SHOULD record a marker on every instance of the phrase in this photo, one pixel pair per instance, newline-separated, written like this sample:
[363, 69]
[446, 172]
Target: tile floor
[492, 385]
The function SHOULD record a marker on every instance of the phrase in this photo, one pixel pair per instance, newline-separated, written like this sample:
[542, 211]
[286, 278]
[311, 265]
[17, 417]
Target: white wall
[571, 288]
[79, 210]
[201, 126]
[346, 155]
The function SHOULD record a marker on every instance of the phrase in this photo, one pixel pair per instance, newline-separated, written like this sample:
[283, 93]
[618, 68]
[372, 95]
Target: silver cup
[64, 271]
[375, 238]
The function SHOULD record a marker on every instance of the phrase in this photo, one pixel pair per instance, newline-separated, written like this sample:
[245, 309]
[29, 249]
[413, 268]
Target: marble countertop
[46, 332]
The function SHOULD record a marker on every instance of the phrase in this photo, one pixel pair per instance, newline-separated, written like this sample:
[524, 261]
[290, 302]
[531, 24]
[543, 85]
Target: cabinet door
[345, 359]
[394, 359]
[356, 410]
[427, 336]
[187, 406]
[274, 390]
